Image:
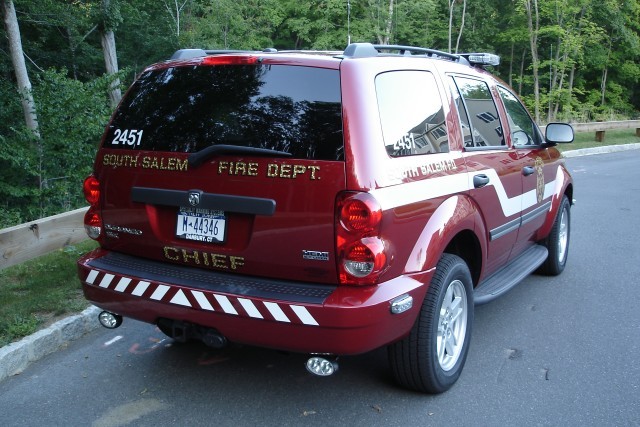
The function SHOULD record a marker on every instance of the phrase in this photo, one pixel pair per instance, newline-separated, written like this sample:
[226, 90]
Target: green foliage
[72, 117]
[43, 176]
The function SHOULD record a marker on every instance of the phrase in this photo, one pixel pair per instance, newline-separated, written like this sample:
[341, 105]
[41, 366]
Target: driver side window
[523, 130]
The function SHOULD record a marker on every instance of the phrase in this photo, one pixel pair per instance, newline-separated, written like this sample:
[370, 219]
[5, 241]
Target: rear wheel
[557, 242]
[431, 358]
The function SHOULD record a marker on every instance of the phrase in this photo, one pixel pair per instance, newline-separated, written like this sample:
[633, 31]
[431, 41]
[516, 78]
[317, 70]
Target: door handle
[528, 170]
[480, 181]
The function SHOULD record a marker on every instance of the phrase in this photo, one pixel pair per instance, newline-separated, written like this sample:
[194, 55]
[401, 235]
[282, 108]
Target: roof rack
[366, 50]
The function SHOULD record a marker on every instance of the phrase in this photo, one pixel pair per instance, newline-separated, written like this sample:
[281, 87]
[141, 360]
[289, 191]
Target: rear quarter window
[188, 108]
[411, 113]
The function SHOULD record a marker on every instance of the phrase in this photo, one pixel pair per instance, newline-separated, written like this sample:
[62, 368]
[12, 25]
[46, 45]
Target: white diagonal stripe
[304, 315]
[276, 312]
[202, 300]
[425, 189]
[250, 308]
[92, 276]
[160, 291]
[106, 280]
[122, 284]
[140, 288]
[180, 298]
[225, 304]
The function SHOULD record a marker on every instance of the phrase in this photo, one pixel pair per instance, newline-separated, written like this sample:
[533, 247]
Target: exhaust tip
[110, 320]
[322, 366]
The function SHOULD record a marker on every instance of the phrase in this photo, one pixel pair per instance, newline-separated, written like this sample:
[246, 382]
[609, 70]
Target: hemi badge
[315, 255]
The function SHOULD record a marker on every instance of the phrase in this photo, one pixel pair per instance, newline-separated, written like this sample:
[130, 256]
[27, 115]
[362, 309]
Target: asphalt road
[553, 351]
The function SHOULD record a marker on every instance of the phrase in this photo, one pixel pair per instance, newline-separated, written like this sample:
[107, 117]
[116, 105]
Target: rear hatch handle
[197, 158]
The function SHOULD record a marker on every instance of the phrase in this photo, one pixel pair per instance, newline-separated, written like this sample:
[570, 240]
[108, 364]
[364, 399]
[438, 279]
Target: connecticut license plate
[204, 225]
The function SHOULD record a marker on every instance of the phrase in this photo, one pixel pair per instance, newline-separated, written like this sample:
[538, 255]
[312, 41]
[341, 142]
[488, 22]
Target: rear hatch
[230, 163]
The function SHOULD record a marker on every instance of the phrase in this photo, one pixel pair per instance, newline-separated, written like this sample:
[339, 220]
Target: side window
[411, 113]
[480, 123]
[523, 130]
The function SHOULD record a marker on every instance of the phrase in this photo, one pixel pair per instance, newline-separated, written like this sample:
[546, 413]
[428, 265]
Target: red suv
[328, 203]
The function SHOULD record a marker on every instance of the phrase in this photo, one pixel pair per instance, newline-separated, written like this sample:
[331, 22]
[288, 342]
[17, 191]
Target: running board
[513, 273]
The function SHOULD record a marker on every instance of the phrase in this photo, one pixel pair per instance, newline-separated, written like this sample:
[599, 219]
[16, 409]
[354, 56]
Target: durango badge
[194, 198]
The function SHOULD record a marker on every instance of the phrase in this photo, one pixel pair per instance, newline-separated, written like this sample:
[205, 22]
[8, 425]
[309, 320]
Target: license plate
[203, 225]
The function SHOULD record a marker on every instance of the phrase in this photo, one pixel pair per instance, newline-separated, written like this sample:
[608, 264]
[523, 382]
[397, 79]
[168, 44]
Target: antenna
[348, 22]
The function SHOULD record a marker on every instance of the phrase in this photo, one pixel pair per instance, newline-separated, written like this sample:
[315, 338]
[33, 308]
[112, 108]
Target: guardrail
[600, 127]
[26, 241]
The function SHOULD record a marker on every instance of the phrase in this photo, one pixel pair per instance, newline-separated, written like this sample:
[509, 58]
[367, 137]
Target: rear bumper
[275, 314]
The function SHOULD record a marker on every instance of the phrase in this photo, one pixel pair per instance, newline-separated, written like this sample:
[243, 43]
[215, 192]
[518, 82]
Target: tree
[19, 66]
[110, 18]
[452, 4]
[533, 22]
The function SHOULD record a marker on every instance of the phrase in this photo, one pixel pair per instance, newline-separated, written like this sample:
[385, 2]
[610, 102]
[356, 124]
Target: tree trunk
[387, 33]
[451, 3]
[535, 61]
[603, 86]
[19, 66]
[513, 45]
[464, 11]
[570, 90]
[111, 63]
[524, 52]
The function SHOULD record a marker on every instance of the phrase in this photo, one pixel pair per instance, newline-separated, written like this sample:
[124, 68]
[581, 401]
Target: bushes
[43, 176]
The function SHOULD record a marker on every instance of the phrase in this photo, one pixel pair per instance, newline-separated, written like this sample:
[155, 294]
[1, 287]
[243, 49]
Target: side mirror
[557, 133]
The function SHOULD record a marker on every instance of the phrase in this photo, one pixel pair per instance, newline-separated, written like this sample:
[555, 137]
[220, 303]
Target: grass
[37, 292]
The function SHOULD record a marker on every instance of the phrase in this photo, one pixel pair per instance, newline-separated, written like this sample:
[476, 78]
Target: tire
[425, 360]
[557, 243]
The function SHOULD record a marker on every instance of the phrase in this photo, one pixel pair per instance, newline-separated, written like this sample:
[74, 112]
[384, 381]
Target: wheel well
[465, 245]
[569, 193]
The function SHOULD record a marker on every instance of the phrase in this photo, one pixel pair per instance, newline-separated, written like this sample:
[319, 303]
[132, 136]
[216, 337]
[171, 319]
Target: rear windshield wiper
[197, 158]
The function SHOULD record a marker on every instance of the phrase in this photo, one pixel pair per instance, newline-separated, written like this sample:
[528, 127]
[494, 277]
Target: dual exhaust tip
[322, 365]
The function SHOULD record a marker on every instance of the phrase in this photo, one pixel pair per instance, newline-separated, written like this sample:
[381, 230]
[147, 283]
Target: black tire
[557, 243]
[415, 361]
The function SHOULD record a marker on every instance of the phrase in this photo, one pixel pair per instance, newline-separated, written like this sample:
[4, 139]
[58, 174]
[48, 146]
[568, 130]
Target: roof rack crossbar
[404, 50]
[365, 50]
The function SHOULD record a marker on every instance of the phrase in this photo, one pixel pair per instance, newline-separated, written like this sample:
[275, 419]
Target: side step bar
[516, 270]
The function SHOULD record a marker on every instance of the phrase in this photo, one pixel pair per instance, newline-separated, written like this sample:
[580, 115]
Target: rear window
[188, 108]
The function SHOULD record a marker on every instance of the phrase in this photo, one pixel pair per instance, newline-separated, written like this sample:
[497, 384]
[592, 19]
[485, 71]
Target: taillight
[93, 223]
[91, 189]
[360, 213]
[92, 219]
[361, 252]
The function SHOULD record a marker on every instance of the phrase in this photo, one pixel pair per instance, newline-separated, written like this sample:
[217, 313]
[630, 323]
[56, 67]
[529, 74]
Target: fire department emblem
[539, 179]
[194, 198]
